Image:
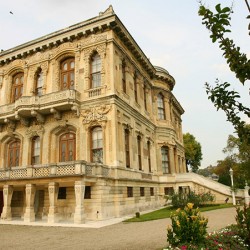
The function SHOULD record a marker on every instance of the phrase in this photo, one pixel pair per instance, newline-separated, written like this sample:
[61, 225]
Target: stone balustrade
[51, 170]
[73, 168]
[63, 99]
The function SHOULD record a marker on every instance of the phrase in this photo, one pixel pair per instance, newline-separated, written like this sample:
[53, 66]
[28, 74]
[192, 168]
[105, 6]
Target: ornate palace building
[89, 128]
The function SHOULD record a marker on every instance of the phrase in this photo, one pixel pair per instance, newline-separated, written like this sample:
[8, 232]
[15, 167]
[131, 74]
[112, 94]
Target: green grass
[166, 212]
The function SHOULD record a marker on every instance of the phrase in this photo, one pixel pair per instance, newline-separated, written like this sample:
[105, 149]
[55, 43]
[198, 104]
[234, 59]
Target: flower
[190, 205]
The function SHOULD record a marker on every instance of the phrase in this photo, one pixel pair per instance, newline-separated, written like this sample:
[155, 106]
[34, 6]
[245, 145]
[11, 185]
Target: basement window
[87, 194]
[62, 193]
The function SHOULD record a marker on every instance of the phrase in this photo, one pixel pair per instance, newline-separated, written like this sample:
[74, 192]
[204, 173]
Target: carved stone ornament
[1, 80]
[11, 125]
[35, 130]
[95, 114]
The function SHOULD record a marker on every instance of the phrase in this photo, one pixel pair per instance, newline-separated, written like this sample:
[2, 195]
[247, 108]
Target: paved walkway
[149, 235]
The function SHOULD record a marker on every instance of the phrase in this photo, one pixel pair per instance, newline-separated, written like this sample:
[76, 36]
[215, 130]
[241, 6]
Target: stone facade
[89, 128]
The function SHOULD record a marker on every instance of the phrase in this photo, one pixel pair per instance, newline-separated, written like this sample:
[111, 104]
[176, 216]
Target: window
[62, 193]
[149, 156]
[165, 160]
[97, 145]
[68, 74]
[87, 193]
[161, 108]
[145, 96]
[142, 192]
[67, 147]
[139, 152]
[168, 190]
[152, 191]
[95, 71]
[39, 83]
[14, 154]
[35, 151]
[130, 191]
[17, 86]
[127, 155]
[124, 87]
[135, 87]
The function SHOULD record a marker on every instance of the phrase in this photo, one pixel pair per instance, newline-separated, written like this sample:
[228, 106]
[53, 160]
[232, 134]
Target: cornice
[94, 25]
[106, 20]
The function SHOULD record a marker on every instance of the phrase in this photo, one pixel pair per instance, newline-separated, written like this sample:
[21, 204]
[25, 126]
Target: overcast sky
[169, 32]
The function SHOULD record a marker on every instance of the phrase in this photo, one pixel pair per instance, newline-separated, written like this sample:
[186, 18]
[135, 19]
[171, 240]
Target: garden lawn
[166, 212]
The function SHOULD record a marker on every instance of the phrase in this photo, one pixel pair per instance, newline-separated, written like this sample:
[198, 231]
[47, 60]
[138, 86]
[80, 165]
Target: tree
[193, 152]
[238, 158]
[227, 100]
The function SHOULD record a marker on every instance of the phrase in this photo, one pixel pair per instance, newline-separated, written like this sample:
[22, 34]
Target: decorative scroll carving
[76, 108]
[35, 130]
[93, 39]
[95, 114]
[40, 118]
[24, 121]
[11, 125]
[57, 114]
[1, 79]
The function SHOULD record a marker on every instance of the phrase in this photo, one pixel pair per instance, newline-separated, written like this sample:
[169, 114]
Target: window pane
[65, 66]
[72, 65]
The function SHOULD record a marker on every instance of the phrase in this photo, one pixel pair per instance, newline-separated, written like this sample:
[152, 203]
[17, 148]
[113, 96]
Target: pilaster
[29, 214]
[53, 194]
[7, 196]
[79, 216]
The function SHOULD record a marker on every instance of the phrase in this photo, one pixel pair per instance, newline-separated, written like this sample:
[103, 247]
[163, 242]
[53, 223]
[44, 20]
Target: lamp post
[232, 184]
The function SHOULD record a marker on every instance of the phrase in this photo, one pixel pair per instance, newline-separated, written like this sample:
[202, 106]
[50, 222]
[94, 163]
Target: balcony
[28, 106]
[76, 168]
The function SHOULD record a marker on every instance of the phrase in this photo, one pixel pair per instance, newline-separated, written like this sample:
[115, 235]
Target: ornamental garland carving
[35, 130]
[95, 114]
[93, 39]
[64, 47]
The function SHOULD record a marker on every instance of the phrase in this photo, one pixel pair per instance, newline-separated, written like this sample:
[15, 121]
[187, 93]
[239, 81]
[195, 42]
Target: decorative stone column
[29, 214]
[79, 216]
[7, 196]
[53, 194]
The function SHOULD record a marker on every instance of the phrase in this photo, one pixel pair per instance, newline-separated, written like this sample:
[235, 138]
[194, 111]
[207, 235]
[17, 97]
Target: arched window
[124, 87]
[145, 96]
[95, 71]
[127, 148]
[149, 156]
[135, 88]
[17, 86]
[97, 145]
[67, 147]
[161, 108]
[35, 150]
[39, 83]
[14, 153]
[68, 73]
[139, 152]
[165, 160]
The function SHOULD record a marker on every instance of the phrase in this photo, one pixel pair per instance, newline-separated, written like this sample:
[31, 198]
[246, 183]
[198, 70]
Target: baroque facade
[89, 128]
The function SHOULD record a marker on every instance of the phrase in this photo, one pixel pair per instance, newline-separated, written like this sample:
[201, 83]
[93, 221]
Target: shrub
[188, 226]
[243, 223]
[182, 199]
[225, 239]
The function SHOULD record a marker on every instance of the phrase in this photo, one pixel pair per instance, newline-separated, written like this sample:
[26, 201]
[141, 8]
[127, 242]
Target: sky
[171, 35]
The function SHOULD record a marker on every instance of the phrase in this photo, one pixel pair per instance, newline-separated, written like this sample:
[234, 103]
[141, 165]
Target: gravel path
[149, 235]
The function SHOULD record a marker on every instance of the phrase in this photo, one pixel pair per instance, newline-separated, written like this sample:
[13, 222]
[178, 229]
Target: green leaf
[226, 9]
[218, 8]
